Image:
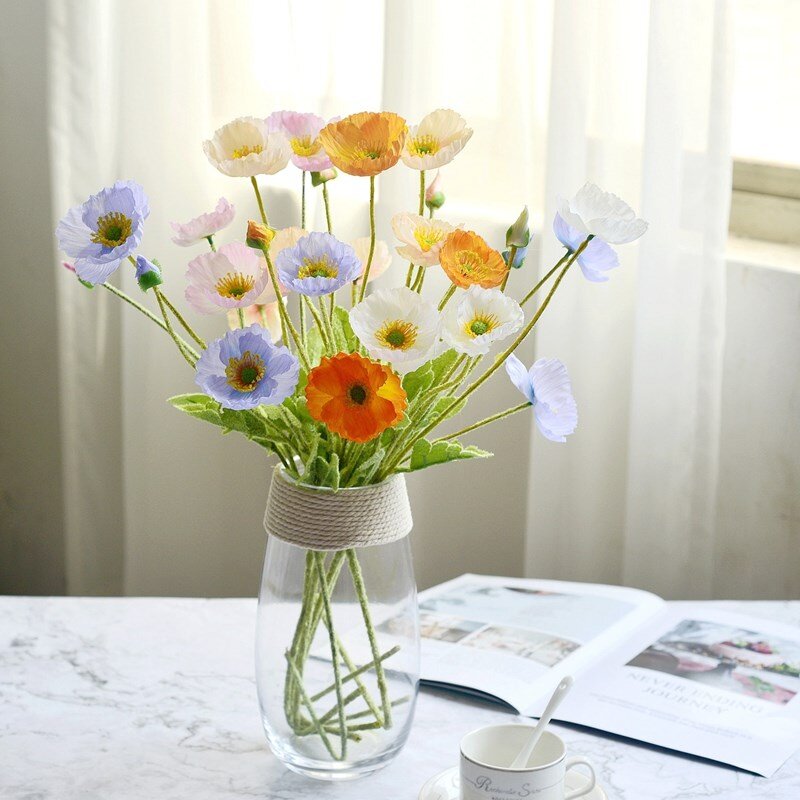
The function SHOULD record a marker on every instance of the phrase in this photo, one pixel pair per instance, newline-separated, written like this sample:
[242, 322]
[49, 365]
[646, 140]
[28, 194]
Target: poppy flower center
[470, 263]
[245, 372]
[424, 146]
[398, 334]
[357, 394]
[366, 150]
[304, 146]
[481, 324]
[112, 229]
[318, 268]
[427, 237]
[246, 150]
[235, 285]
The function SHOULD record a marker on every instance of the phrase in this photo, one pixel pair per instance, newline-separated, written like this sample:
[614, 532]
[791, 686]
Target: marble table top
[123, 698]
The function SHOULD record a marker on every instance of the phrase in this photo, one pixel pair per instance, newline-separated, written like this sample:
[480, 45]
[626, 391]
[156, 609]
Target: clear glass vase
[337, 655]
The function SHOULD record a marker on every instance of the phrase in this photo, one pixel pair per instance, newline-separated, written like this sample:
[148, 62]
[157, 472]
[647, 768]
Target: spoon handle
[558, 695]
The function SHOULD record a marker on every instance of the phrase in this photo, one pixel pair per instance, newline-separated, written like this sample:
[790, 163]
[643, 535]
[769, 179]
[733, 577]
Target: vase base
[335, 771]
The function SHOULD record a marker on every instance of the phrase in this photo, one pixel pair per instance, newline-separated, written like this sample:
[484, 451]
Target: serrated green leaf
[418, 381]
[428, 454]
[366, 470]
[346, 340]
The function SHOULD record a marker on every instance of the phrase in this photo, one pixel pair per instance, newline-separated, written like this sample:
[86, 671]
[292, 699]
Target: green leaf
[427, 454]
[366, 470]
[346, 340]
[200, 406]
[324, 473]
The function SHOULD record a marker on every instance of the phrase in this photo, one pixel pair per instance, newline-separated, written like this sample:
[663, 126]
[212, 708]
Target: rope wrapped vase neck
[321, 519]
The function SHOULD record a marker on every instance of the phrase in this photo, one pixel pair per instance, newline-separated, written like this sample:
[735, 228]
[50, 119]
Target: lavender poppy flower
[104, 230]
[547, 387]
[318, 264]
[597, 257]
[148, 273]
[244, 369]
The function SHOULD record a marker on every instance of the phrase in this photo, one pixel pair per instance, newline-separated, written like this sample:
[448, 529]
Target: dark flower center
[358, 394]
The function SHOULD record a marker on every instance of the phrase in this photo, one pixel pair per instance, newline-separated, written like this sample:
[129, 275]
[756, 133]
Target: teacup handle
[574, 762]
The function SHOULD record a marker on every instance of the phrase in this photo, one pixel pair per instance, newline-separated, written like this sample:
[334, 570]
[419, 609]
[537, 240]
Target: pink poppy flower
[302, 131]
[233, 277]
[199, 228]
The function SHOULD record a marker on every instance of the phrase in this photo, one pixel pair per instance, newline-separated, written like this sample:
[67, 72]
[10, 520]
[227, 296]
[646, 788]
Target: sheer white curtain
[628, 95]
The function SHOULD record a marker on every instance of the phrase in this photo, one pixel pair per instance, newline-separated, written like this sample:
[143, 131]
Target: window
[766, 121]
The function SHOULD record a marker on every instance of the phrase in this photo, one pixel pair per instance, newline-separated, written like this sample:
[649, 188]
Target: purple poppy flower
[597, 257]
[244, 369]
[547, 387]
[104, 230]
[318, 264]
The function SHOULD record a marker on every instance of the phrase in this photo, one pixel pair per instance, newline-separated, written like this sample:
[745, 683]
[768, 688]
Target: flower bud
[258, 235]
[148, 273]
[519, 257]
[318, 178]
[434, 197]
[518, 234]
[71, 268]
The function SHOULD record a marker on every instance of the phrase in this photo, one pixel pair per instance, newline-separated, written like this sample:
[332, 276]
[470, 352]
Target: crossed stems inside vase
[316, 608]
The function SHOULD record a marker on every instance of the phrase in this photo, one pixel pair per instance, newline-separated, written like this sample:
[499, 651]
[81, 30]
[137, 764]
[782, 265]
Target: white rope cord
[321, 519]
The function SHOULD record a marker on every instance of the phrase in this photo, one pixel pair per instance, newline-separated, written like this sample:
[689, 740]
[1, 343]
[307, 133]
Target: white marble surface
[125, 698]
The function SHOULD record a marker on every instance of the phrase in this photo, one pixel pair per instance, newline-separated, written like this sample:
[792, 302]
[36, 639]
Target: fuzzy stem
[260, 201]
[368, 267]
[447, 295]
[179, 343]
[180, 318]
[512, 254]
[335, 656]
[302, 199]
[327, 207]
[487, 421]
[361, 592]
[544, 280]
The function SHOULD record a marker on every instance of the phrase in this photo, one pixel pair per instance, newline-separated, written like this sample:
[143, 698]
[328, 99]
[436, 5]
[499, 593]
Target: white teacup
[486, 775]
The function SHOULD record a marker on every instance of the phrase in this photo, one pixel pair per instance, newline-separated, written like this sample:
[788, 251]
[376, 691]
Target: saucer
[444, 786]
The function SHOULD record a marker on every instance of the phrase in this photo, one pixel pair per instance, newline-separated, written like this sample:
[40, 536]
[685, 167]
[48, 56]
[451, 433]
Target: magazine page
[514, 639]
[718, 685]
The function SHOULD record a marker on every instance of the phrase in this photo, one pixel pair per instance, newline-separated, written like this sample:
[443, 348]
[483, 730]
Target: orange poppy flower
[468, 260]
[355, 397]
[365, 143]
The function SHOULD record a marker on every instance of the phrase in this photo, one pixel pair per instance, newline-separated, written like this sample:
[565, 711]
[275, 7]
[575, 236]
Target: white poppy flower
[480, 318]
[602, 214]
[398, 326]
[246, 147]
[422, 238]
[436, 141]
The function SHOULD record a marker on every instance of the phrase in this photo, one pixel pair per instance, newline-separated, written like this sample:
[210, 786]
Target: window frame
[765, 202]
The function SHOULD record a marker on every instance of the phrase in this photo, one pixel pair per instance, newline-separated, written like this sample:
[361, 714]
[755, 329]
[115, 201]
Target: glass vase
[337, 651]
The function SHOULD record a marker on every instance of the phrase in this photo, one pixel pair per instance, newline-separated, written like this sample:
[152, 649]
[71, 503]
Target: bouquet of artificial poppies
[346, 384]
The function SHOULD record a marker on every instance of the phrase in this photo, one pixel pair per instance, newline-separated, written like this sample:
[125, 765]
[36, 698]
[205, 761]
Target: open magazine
[680, 675]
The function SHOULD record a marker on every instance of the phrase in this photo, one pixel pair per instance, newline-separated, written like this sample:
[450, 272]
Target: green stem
[447, 295]
[512, 254]
[326, 343]
[488, 420]
[422, 192]
[327, 207]
[310, 708]
[179, 317]
[368, 267]
[303, 199]
[211, 243]
[326, 605]
[241, 317]
[544, 280]
[260, 202]
[179, 343]
[361, 593]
